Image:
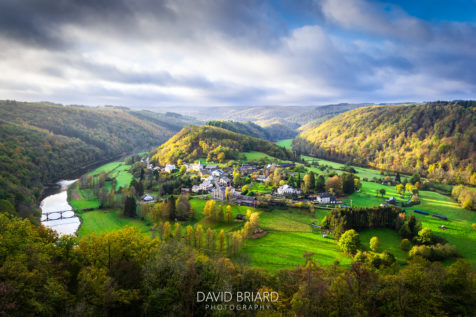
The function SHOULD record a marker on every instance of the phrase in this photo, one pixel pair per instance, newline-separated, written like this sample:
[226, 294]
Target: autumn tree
[349, 241]
[374, 244]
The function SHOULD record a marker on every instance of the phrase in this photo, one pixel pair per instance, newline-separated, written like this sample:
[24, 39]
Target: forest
[124, 273]
[41, 143]
[216, 144]
[247, 128]
[436, 139]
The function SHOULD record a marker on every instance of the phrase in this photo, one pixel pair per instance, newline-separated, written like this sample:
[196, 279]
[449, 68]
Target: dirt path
[76, 195]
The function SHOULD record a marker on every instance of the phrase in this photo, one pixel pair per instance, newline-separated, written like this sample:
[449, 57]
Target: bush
[436, 252]
[405, 245]
[374, 244]
[425, 236]
[349, 241]
[387, 258]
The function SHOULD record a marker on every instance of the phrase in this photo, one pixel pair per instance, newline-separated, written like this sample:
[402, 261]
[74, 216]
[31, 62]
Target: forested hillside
[436, 139]
[43, 142]
[247, 128]
[216, 144]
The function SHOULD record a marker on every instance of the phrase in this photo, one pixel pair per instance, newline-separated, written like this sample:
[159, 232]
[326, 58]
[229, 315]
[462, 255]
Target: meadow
[289, 233]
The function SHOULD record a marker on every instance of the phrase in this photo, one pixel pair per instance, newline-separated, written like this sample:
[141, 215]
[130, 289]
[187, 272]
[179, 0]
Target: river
[58, 201]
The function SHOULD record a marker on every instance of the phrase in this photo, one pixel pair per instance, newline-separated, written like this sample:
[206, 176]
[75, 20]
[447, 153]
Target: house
[195, 167]
[206, 185]
[169, 168]
[326, 198]
[185, 191]
[218, 193]
[247, 169]
[288, 190]
[224, 181]
[262, 178]
[240, 217]
[211, 167]
[148, 198]
[392, 200]
[218, 173]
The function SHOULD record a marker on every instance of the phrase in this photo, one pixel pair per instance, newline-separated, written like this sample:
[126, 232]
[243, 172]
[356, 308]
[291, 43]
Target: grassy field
[255, 156]
[389, 240]
[459, 231]
[122, 175]
[88, 200]
[98, 221]
[279, 250]
[106, 168]
[285, 143]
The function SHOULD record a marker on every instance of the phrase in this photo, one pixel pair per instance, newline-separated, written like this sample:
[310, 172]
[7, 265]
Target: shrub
[436, 252]
[387, 258]
[405, 245]
[374, 244]
[349, 241]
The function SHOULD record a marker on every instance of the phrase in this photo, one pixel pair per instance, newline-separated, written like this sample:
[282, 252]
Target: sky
[172, 53]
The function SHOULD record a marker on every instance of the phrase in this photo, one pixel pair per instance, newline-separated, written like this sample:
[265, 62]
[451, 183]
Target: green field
[106, 168]
[98, 221]
[289, 232]
[255, 156]
[279, 250]
[389, 240]
[285, 143]
[459, 231]
[88, 200]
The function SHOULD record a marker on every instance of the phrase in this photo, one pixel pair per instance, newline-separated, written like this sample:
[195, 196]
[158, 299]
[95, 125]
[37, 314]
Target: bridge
[57, 215]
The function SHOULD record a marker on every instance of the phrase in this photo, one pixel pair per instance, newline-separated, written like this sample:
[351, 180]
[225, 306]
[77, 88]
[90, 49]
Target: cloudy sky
[145, 53]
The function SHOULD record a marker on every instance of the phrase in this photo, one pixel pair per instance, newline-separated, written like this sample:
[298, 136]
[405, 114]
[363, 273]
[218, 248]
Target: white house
[326, 198]
[148, 197]
[288, 190]
[170, 168]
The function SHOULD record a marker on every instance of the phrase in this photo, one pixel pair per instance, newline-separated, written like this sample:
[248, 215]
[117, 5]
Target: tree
[415, 178]
[333, 184]
[130, 207]
[348, 183]
[425, 236]
[405, 245]
[400, 189]
[199, 237]
[211, 239]
[221, 240]
[382, 191]
[189, 235]
[229, 214]
[320, 184]
[167, 231]
[374, 244]
[183, 208]
[178, 231]
[221, 214]
[309, 182]
[349, 241]
[254, 221]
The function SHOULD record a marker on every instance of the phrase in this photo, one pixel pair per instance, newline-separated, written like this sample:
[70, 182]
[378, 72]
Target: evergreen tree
[130, 207]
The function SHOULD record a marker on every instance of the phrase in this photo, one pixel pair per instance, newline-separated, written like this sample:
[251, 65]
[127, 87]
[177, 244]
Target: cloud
[250, 52]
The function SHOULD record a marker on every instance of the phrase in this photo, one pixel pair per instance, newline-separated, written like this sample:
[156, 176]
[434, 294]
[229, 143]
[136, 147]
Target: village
[257, 184]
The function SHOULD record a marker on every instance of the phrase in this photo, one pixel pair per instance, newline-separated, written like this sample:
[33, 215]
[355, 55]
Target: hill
[272, 130]
[436, 139]
[217, 144]
[247, 128]
[44, 142]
